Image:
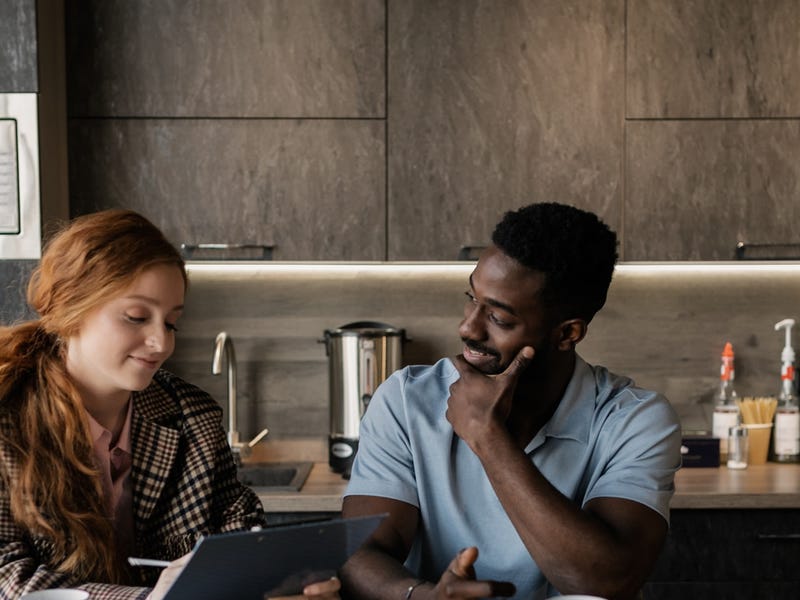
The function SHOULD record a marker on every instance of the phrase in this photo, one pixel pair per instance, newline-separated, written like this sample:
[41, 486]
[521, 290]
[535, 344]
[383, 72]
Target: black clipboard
[275, 561]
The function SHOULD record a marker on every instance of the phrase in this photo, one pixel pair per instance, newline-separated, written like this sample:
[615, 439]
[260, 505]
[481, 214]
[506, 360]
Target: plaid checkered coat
[184, 486]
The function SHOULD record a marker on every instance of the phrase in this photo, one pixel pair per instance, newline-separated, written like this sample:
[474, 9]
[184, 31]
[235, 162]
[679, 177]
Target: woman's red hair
[54, 485]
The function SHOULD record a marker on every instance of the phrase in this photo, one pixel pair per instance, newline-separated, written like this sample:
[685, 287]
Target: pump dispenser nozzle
[787, 355]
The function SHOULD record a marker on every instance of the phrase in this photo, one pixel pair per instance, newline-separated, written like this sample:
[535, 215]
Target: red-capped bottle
[726, 410]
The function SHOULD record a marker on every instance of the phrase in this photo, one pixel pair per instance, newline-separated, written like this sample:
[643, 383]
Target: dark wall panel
[18, 71]
[14, 276]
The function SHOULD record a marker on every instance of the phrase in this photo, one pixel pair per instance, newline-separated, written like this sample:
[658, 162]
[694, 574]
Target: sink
[275, 476]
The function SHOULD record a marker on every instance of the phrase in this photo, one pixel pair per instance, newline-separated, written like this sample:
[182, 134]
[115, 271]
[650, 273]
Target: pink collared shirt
[114, 463]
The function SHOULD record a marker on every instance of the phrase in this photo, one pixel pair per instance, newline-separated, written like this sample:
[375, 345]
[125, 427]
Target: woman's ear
[570, 333]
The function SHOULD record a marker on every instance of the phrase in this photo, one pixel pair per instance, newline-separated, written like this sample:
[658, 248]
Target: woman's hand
[168, 577]
[321, 590]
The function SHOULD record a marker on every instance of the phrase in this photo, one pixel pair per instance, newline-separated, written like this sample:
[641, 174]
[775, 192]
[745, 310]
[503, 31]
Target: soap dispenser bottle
[786, 434]
[726, 410]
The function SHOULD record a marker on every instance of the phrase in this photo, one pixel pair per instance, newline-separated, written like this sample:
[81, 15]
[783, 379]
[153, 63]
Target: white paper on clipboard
[276, 561]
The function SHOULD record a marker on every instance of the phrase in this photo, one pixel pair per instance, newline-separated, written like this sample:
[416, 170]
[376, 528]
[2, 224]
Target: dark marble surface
[18, 46]
[14, 276]
[696, 188]
[238, 58]
[713, 58]
[491, 109]
[313, 188]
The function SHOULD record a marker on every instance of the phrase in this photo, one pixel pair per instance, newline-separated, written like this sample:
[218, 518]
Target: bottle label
[721, 422]
[726, 372]
[787, 372]
[787, 433]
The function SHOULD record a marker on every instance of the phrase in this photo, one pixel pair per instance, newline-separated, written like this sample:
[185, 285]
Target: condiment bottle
[738, 443]
[786, 434]
[726, 411]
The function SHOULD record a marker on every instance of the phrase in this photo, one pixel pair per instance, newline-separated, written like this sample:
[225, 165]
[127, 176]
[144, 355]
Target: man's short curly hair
[573, 248]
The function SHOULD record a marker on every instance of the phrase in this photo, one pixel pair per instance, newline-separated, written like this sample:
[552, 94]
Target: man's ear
[570, 332]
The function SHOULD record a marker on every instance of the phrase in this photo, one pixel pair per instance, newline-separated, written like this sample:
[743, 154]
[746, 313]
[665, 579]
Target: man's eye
[499, 322]
[171, 327]
[470, 296]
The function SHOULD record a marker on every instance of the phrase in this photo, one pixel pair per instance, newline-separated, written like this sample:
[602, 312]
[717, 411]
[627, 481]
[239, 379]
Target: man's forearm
[574, 549]
[373, 575]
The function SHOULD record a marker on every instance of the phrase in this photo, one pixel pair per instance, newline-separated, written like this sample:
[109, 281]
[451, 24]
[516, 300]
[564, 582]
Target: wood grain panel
[238, 58]
[696, 188]
[664, 328]
[496, 105]
[312, 188]
[713, 58]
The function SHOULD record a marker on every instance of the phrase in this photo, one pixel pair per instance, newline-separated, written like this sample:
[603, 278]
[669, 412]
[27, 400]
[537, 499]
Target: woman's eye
[133, 319]
[171, 327]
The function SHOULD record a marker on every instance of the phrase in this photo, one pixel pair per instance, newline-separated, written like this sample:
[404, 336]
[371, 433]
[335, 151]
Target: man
[517, 469]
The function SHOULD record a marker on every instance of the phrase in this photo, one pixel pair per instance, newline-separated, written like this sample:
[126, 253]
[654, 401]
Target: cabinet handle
[469, 252]
[778, 536]
[188, 250]
[787, 251]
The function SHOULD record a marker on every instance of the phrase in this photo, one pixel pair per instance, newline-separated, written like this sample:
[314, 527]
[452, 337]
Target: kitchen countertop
[759, 486]
[771, 485]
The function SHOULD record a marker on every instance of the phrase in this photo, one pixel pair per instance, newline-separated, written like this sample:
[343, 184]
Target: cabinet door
[310, 188]
[233, 122]
[728, 552]
[694, 188]
[481, 124]
[712, 130]
[721, 590]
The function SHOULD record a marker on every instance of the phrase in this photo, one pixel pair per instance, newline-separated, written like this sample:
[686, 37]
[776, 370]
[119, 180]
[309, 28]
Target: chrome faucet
[223, 345]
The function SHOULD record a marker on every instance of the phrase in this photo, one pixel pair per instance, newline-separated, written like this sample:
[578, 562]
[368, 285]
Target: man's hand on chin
[479, 404]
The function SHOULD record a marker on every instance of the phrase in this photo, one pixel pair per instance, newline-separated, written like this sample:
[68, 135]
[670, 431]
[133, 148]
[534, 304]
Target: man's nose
[472, 326]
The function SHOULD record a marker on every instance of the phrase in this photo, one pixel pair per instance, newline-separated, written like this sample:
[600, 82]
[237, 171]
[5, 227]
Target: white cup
[56, 594]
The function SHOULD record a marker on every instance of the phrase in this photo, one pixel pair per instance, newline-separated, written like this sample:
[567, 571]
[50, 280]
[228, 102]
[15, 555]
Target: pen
[147, 562]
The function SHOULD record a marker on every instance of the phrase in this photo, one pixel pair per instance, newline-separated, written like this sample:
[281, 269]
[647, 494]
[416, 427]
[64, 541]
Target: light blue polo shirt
[607, 438]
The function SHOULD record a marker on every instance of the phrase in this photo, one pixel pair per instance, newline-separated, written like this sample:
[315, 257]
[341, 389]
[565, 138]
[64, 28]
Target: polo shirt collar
[573, 416]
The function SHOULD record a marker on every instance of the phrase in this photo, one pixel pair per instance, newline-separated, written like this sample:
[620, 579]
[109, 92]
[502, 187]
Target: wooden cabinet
[373, 130]
[679, 124]
[233, 122]
[712, 128]
[310, 188]
[733, 554]
[482, 124]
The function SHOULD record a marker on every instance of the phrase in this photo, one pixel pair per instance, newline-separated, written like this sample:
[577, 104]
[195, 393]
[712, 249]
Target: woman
[103, 455]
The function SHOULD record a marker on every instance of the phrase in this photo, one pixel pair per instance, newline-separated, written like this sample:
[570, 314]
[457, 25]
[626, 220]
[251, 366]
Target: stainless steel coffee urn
[360, 356]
